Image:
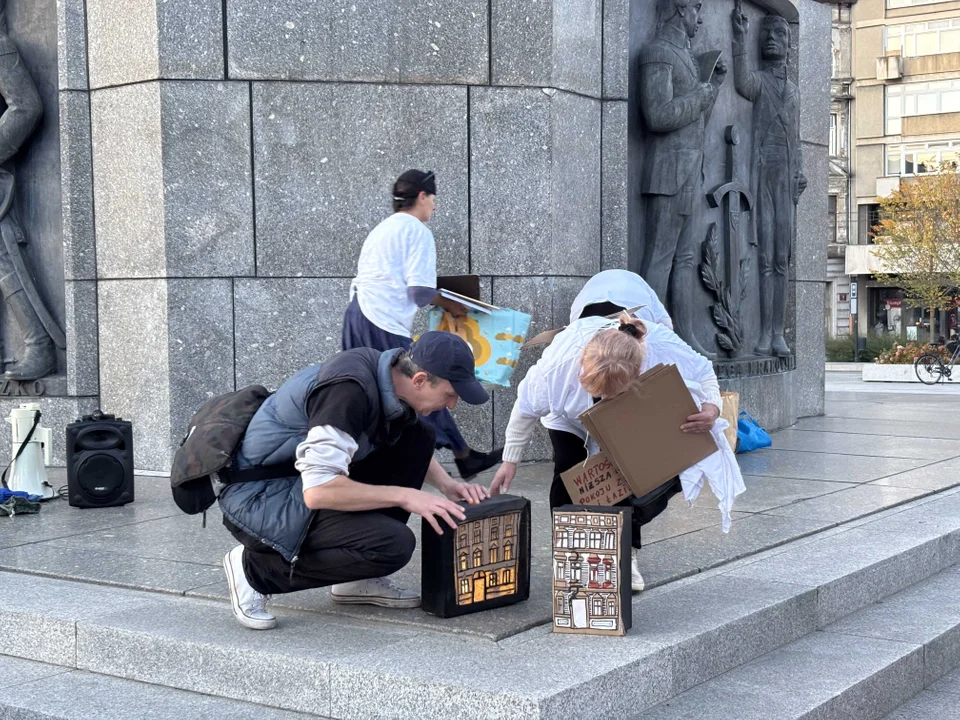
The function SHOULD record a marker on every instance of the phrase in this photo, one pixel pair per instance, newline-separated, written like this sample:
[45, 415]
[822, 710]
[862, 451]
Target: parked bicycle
[931, 368]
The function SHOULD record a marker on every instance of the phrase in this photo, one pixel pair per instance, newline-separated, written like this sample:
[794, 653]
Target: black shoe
[477, 462]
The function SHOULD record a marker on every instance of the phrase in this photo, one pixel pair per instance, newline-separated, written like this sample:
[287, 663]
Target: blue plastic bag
[750, 436]
[495, 338]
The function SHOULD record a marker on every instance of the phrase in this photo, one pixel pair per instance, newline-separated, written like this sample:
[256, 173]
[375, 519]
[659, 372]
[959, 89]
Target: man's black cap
[420, 180]
[448, 357]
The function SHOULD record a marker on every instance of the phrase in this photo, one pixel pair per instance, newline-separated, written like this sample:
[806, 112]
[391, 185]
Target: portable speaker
[99, 461]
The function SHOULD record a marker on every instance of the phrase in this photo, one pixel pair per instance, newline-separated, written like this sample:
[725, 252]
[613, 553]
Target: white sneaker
[637, 580]
[249, 606]
[375, 591]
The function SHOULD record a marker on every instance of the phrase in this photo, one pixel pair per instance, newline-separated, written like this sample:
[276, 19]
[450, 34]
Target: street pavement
[870, 451]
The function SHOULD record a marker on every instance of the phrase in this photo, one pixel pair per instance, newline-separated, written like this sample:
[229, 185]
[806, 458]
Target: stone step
[863, 666]
[685, 633]
[36, 691]
[940, 701]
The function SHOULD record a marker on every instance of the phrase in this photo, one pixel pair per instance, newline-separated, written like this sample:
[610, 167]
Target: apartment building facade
[895, 115]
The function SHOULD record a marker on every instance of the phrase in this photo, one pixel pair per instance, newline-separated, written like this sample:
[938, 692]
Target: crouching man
[352, 426]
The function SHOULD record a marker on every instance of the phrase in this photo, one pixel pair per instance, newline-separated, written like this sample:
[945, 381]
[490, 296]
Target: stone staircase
[851, 623]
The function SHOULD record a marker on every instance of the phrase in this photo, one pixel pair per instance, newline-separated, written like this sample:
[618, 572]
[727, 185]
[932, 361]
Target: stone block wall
[223, 161]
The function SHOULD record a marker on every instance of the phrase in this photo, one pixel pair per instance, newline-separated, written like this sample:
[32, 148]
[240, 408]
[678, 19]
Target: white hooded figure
[623, 289]
[554, 395]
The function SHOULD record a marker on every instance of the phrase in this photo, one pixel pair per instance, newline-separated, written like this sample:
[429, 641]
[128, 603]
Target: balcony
[889, 67]
[887, 185]
[862, 260]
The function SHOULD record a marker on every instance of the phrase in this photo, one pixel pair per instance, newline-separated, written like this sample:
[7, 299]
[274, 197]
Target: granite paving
[872, 451]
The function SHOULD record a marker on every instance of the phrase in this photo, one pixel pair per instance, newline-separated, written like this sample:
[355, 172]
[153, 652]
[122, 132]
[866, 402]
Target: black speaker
[99, 461]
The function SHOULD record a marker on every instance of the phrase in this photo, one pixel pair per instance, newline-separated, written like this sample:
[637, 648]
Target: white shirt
[552, 392]
[398, 253]
[623, 288]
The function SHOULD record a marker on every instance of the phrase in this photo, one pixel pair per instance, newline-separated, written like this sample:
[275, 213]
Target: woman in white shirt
[595, 358]
[397, 275]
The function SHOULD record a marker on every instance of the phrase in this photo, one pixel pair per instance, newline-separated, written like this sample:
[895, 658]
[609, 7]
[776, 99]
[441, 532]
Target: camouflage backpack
[203, 463]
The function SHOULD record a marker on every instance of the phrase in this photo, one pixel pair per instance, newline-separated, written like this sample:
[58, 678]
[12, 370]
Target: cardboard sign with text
[640, 430]
[596, 482]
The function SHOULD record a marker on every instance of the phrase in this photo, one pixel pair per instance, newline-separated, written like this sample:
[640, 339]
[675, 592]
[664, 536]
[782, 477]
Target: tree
[918, 239]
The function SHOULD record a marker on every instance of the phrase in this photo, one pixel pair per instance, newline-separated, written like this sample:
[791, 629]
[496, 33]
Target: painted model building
[591, 570]
[483, 564]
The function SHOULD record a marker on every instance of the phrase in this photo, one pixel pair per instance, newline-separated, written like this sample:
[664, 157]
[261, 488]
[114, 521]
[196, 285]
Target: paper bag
[495, 338]
[596, 482]
[731, 413]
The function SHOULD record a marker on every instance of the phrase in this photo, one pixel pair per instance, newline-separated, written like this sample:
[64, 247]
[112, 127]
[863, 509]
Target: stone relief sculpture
[678, 90]
[22, 302]
[778, 179]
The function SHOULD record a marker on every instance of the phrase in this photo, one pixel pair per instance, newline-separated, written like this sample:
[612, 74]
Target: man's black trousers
[345, 546]
[569, 450]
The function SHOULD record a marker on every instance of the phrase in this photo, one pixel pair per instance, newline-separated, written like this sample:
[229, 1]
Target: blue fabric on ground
[360, 332]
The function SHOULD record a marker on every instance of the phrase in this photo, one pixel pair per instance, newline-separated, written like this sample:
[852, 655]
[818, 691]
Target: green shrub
[839, 349]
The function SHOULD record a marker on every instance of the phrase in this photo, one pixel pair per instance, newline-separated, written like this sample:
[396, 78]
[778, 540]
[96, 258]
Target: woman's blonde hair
[612, 360]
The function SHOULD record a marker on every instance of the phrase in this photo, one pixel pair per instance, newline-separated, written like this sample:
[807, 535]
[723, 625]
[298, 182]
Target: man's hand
[707, 91]
[432, 509]
[719, 73]
[473, 494]
[451, 306]
[503, 478]
[703, 421]
[741, 25]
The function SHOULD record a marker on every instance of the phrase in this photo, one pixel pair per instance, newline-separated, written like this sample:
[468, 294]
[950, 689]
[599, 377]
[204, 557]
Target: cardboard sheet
[640, 430]
[596, 482]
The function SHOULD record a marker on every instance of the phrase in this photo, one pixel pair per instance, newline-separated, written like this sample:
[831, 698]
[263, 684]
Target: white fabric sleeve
[519, 431]
[325, 454]
[694, 366]
[420, 259]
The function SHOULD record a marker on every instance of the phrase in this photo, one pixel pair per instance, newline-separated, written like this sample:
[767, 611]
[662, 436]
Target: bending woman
[596, 358]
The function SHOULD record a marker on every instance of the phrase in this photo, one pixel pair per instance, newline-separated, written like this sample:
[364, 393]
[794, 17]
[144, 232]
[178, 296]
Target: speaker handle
[115, 441]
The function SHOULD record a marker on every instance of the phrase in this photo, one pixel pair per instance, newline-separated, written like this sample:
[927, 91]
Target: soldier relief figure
[778, 179]
[22, 303]
[676, 102]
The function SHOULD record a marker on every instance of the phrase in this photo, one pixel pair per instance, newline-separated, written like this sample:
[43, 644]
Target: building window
[463, 561]
[832, 217]
[508, 530]
[491, 579]
[611, 605]
[834, 121]
[506, 576]
[928, 38]
[920, 98]
[494, 554]
[597, 605]
[595, 539]
[869, 217]
[507, 551]
[560, 539]
[476, 557]
[560, 604]
[464, 587]
[920, 158]
[609, 541]
[494, 532]
[477, 536]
